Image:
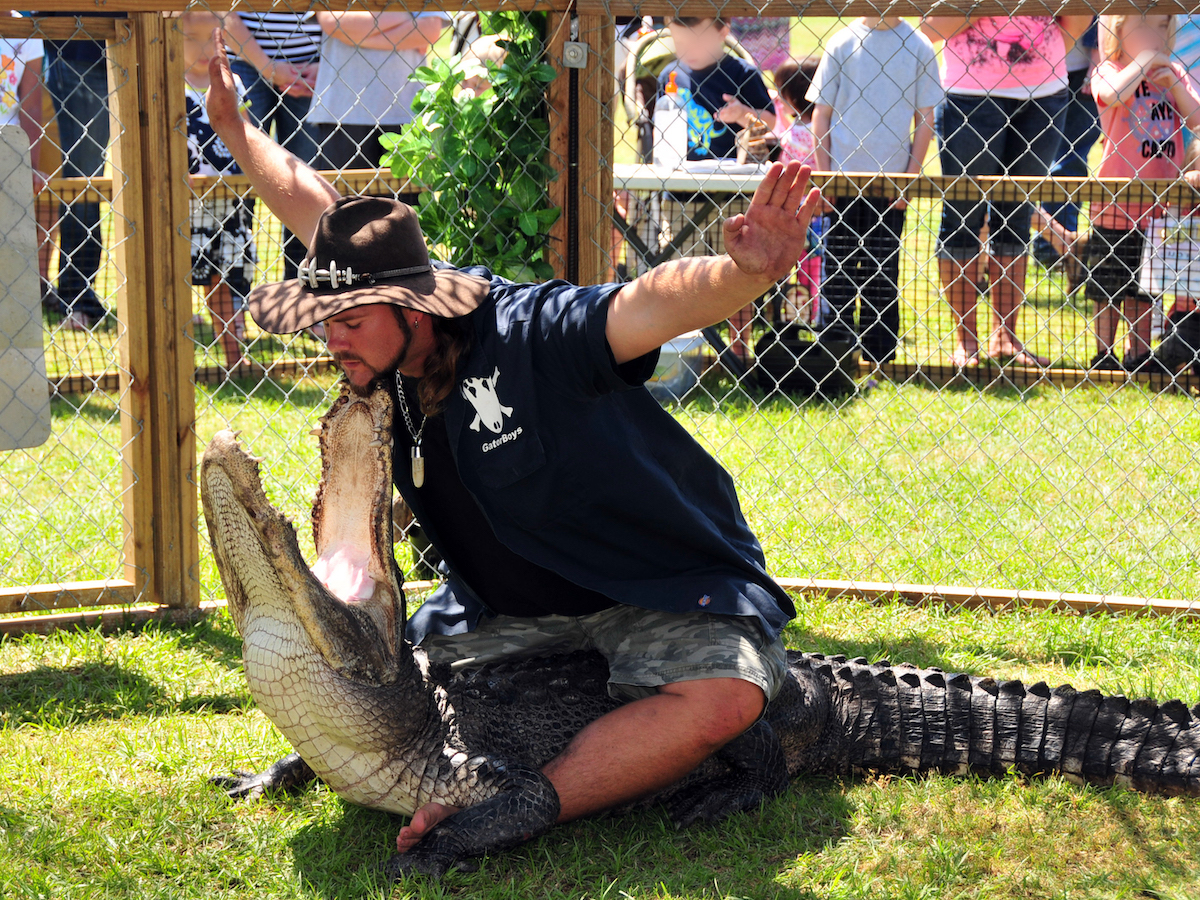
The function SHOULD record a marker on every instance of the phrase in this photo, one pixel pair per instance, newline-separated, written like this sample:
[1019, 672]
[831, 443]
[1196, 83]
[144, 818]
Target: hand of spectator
[900, 203]
[288, 79]
[1165, 76]
[1193, 179]
[1148, 60]
[40, 179]
[734, 112]
[308, 72]
[222, 100]
[772, 234]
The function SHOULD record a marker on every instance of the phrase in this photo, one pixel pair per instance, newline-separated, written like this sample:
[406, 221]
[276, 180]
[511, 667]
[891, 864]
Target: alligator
[369, 715]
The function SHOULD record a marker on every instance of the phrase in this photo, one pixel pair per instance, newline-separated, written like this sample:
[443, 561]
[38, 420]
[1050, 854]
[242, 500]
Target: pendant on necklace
[418, 466]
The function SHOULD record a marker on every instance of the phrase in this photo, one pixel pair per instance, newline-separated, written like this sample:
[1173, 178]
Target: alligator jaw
[259, 559]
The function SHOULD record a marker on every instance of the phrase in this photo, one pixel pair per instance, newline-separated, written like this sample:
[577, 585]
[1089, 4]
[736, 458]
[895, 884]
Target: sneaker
[1105, 361]
[1146, 364]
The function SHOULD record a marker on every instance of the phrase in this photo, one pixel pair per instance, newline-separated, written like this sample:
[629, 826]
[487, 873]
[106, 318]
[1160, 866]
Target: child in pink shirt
[1144, 100]
[797, 142]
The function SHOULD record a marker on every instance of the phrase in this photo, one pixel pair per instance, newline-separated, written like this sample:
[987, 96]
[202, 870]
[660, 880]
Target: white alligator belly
[297, 692]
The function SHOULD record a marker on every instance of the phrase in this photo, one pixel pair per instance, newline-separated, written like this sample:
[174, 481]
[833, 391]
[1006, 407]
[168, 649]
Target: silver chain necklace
[418, 461]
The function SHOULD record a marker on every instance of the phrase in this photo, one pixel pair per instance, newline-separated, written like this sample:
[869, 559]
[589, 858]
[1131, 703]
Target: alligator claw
[759, 772]
[709, 802]
[288, 774]
[420, 862]
[241, 784]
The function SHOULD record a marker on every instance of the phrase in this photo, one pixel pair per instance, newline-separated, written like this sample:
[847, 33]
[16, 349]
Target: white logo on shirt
[481, 392]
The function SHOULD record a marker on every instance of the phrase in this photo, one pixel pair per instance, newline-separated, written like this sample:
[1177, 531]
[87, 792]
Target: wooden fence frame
[149, 195]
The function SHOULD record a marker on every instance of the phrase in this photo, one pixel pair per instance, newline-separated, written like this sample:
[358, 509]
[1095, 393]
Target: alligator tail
[905, 718]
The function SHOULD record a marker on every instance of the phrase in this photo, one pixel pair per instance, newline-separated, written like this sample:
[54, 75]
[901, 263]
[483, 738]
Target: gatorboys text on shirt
[703, 91]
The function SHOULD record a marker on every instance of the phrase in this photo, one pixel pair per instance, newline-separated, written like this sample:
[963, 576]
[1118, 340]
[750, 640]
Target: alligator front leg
[288, 774]
[524, 806]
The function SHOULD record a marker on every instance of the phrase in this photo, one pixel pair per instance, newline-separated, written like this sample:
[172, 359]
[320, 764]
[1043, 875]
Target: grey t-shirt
[365, 87]
[875, 79]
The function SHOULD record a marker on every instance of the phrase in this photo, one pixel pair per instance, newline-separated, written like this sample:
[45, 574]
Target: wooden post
[129, 250]
[597, 92]
[158, 408]
[179, 483]
[558, 99]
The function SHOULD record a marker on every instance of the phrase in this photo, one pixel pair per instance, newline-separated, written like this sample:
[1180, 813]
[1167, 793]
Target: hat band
[313, 278]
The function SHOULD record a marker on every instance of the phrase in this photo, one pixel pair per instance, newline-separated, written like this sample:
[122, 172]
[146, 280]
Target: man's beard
[379, 376]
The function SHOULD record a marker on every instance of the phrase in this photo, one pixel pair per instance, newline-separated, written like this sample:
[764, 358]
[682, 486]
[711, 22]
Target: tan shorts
[645, 648]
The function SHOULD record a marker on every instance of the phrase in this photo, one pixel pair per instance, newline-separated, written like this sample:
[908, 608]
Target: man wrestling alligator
[571, 510]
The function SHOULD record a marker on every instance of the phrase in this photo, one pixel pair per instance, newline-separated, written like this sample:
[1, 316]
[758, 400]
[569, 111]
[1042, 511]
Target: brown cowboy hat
[365, 250]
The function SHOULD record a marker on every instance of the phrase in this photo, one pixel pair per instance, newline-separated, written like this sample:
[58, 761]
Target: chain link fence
[880, 443]
[63, 502]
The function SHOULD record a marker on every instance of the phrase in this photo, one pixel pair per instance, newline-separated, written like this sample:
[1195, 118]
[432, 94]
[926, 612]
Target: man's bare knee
[725, 707]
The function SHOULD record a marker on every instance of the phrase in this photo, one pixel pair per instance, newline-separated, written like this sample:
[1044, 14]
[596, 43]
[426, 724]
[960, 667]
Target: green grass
[106, 745]
[1092, 489]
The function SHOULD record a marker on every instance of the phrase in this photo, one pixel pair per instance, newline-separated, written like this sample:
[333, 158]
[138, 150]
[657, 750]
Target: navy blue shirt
[578, 470]
[703, 93]
[507, 584]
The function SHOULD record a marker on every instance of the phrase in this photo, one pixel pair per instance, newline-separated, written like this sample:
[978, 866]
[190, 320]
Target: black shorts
[1114, 264]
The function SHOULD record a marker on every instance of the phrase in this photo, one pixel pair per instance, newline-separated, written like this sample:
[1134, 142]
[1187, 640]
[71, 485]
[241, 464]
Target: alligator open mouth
[350, 602]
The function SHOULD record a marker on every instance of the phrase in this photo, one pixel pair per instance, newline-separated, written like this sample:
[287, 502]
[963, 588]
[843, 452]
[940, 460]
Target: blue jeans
[78, 85]
[1081, 129]
[994, 136]
[269, 107]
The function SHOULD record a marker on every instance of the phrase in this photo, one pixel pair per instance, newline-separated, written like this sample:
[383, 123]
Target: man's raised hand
[222, 100]
[770, 237]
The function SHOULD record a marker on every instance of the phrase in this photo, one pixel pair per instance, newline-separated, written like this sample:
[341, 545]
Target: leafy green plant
[481, 158]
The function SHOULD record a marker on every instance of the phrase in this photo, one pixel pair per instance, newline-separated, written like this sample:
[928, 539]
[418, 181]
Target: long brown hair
[452, 339]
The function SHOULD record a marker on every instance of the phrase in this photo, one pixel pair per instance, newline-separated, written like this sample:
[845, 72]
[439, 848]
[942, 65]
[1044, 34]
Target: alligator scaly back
[901, 718]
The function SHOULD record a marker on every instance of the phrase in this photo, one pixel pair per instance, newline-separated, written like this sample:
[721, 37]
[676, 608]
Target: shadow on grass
[638, 853]
[213, 636]
[59, 697]
[97, 407]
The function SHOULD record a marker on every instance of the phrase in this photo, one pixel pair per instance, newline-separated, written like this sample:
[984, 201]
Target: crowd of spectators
[1011, 95]
[326, 85]
[1001, 95]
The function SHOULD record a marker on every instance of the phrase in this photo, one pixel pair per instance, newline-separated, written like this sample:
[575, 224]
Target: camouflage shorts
[645, 648]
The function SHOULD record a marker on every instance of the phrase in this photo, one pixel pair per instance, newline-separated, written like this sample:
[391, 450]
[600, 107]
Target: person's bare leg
[635, 750]
[1138, 339]
[740, 332]
[1105, 327]
[47, 229]
[220, 305]
[1008, 293]
[959, 289]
